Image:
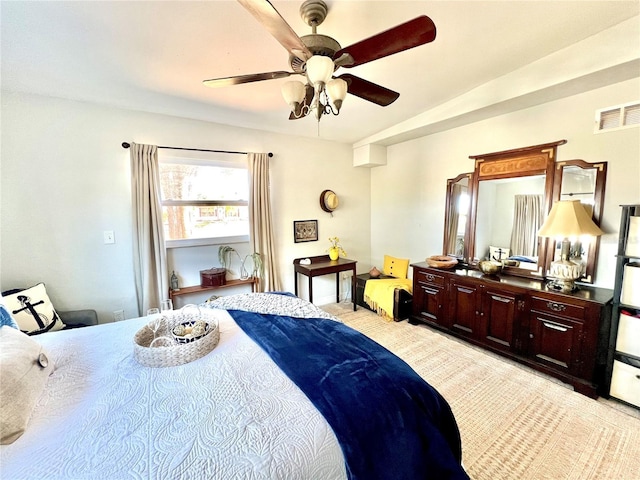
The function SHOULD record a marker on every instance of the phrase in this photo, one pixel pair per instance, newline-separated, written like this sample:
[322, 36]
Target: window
[621, 116]
[204, 202]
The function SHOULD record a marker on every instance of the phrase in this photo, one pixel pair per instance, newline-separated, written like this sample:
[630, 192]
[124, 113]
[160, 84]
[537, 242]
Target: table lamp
[567, 218]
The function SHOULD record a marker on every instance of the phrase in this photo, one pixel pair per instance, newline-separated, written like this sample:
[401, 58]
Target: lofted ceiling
[153, 55]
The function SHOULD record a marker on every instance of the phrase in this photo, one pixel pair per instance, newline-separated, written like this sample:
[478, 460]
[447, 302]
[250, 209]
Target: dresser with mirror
[495, 212]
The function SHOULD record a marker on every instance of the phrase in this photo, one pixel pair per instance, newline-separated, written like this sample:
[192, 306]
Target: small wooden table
[323, 265]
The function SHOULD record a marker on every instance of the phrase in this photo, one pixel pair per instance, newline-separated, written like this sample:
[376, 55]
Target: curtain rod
[127, 145]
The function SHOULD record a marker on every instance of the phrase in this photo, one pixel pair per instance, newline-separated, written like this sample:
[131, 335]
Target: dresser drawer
[555, 307]
[430, 278]
[625, 382]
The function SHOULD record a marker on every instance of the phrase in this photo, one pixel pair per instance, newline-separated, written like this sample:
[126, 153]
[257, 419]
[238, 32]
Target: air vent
[621, 116]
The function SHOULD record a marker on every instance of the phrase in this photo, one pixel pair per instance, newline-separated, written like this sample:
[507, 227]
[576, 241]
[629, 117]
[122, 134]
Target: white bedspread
[229, 415]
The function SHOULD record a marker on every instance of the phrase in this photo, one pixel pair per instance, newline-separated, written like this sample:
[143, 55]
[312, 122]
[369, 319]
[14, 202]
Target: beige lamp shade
[569, 218]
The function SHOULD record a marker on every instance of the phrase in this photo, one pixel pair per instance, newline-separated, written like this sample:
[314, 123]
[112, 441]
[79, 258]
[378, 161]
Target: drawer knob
[430, 277]
[556, 307]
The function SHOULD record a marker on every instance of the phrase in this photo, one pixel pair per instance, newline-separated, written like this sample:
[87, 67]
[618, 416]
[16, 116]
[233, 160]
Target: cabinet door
[556, 341]
[463, 307]
[429, 294]
[427, 303]
[498, 321]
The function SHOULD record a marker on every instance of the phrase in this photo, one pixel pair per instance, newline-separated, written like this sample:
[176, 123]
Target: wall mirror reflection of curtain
[509, 214]
[528, 216]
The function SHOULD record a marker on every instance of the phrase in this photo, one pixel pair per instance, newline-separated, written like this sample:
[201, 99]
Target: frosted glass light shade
[319, 69]
[337, 89]
[293, 92]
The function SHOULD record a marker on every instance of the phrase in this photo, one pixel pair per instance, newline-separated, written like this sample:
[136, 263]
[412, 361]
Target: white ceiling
[152, 56]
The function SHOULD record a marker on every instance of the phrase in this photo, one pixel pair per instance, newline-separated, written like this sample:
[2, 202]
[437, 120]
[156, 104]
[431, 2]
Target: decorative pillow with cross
[32, 310]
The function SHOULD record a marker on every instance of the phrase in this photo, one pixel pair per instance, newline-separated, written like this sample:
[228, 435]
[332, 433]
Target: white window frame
[195, 242]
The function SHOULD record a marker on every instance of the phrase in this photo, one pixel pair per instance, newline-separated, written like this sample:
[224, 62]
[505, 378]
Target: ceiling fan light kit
[317, 57]
[328, 93]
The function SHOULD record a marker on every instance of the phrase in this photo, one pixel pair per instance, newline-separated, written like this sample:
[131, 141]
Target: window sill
[197, 242]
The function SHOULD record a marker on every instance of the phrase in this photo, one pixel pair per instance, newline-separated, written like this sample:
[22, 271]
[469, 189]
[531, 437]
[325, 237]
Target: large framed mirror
[511, 195]
[584, 181]
[456, 216]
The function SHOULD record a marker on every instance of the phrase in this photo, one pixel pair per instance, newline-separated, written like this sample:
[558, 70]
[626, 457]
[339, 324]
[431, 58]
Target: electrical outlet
[118, 315]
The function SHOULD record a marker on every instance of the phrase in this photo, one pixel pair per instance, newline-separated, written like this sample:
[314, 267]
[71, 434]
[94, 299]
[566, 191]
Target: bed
[357, 410]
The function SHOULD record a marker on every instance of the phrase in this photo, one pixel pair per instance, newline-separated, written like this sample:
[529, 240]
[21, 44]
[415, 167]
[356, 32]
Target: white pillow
[33, 311]
[25, 367]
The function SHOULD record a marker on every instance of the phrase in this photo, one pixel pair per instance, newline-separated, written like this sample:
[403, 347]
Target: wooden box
[214, 277]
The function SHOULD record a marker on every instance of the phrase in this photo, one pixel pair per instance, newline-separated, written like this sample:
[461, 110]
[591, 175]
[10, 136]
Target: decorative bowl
[441, 261]
[188, 336]
[490, 267]
[374, 272]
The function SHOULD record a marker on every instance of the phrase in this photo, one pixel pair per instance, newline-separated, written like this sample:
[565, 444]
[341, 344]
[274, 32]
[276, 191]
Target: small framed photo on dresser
[305, 231]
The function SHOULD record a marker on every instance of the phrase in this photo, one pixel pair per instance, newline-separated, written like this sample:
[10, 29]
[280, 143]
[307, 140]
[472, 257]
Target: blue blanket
[390, 423]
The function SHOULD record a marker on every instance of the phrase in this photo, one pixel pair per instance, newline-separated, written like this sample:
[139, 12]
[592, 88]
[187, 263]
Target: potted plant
[258, 266]
[335, 250]
[224, 254]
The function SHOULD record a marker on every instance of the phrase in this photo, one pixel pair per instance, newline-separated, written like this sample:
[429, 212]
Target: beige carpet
[514, 423]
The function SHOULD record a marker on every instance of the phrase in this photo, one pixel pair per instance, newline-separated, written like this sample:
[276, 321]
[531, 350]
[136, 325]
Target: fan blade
[369, 91]
[411, 34]
[308, 98]
[254, 77]
[277, 26]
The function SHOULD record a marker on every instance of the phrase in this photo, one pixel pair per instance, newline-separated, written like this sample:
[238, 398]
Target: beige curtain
[454, 218]
[262, 237]
[149, 255]
[527, 220]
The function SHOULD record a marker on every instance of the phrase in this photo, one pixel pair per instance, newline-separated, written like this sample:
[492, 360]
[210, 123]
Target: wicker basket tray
[154, 345]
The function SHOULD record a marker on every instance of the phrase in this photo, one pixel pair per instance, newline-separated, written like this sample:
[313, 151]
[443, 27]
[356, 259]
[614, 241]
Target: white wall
[408, 194]
[65, 180]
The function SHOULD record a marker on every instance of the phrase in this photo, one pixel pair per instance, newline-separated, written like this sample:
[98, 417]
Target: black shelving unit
[622, 366]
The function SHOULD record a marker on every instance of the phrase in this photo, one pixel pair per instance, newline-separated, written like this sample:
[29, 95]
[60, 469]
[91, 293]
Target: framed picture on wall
[305, 231]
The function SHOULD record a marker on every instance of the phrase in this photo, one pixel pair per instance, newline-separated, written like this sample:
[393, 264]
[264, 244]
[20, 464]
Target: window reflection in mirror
[509, 214]
[456, 215]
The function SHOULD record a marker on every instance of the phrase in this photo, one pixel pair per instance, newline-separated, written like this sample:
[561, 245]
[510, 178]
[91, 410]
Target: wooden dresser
[564, 335]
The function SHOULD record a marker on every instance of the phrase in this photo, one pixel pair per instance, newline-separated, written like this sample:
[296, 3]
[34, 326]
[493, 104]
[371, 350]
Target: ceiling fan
[317, 57]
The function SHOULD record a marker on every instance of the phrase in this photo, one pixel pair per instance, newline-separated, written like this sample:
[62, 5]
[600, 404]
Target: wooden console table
[323, 265]
[253, 281]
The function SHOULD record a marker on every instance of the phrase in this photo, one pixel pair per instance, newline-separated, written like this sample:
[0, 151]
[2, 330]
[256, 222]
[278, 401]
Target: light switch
[109, 237]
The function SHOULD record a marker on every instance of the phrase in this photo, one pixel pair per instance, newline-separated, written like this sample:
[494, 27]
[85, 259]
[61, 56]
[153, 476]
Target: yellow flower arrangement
[335, 250]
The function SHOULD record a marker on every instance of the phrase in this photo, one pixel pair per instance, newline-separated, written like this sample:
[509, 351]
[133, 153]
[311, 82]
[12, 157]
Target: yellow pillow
[395, 267]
